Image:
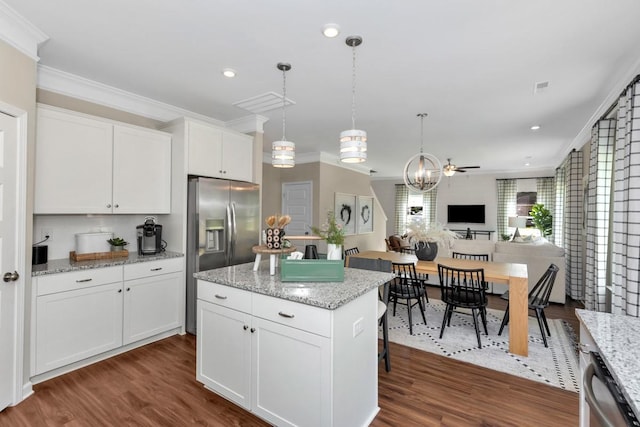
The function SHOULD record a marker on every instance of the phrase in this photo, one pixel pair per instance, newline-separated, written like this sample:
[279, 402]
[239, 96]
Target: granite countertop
[65, 265]
[617, 337]
[327, 295]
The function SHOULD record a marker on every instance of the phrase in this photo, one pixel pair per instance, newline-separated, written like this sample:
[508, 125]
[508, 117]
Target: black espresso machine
[149, 237]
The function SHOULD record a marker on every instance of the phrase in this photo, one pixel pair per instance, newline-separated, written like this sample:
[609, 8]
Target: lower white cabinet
[84, 313]
[277, 358]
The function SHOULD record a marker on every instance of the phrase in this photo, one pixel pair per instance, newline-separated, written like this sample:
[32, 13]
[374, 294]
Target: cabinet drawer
[62, 282]
[226, 296]
[152, 268]
[301, 316]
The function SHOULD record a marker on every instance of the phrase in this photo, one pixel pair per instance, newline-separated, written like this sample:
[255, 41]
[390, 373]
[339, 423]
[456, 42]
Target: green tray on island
[311, 270]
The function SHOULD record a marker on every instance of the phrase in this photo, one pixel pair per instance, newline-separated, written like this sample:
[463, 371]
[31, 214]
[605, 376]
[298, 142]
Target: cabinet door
[152, 305]
[204, 150]
[292, 375]
[223, 352]
[74, 325]
[141, 171]
[237, 156]
[73, 164]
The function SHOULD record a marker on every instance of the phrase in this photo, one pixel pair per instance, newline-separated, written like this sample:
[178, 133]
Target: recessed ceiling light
[331, 30]
[229, 72]
[527, 164]
[535, 127]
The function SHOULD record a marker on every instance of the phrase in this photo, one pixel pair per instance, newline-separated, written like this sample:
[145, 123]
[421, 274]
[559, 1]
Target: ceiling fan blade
[468, 167]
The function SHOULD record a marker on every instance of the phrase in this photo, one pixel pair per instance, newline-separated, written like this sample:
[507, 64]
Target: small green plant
[505, 237]
[117, 241]
[330, 231]
[542, 219]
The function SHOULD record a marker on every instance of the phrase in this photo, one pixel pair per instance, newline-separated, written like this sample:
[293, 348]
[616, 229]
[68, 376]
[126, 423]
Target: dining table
[512, 274]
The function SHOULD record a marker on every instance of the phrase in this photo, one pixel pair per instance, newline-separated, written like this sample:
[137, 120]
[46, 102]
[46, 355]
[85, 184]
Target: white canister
[87, 243]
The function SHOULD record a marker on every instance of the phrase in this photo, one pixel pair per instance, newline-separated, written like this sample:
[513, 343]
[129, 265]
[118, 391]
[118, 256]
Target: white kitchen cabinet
[84, 313]
[87, 164]
[77, 315]
[277, 358]
[153, 294]
[218, 152]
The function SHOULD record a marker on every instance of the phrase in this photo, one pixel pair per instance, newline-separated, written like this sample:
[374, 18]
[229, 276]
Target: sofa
[537, 255]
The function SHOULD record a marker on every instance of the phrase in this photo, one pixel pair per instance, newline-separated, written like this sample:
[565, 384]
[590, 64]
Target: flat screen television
[470, 214]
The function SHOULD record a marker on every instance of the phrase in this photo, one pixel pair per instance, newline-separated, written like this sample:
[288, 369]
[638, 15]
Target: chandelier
[423, 172]
[283, 152]
[353, 142]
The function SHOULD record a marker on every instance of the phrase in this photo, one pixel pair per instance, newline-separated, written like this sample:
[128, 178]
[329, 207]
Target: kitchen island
[615, 338]
[291, 353]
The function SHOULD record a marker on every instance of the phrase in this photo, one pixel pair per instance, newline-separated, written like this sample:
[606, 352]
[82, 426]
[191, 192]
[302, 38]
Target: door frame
[282, 191]
[20, 390]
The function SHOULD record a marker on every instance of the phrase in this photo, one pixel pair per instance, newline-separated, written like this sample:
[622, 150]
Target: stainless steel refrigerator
[223, 224]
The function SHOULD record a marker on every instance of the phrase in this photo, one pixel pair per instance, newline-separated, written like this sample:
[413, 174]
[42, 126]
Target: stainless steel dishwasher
[607, 405]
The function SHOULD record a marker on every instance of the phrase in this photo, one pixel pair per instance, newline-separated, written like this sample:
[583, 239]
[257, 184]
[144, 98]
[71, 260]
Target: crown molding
[68, 84]
[20, 33]
[247, 124]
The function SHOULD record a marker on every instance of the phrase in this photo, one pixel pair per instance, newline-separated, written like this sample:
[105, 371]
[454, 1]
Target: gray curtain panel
[598, 204]
[546, 194]
[572, 224]
[429, 200]
[558, 217]
[402, 196]
[507, 194]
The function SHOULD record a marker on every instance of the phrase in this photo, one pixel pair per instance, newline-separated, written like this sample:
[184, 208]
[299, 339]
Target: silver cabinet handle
[220, 296]
[119, 291]
[116, 205]
[11, 277]
[245, 327]
[287, 315]
[128, 289]
[253, 330]
[156, 269]
[83, 280]
[584, 348]
[109, 205]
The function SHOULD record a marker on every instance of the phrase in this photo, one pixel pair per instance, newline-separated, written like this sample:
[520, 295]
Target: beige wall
[18, 89]
[327, 180]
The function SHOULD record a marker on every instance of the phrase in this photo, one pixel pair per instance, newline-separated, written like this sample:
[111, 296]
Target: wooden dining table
[512, 274]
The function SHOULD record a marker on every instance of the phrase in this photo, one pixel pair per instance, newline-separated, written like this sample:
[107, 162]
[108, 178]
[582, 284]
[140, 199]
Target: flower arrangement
[330, 231]
[420, 230]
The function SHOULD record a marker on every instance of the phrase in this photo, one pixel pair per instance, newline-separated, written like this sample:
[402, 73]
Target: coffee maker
[149, 237]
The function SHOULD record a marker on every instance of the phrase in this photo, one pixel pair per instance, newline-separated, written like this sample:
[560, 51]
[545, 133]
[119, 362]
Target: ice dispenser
[214, 229]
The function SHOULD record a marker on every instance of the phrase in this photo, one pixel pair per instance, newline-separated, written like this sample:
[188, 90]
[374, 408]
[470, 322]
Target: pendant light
[283, 152]
[353, 142]
[422, 172]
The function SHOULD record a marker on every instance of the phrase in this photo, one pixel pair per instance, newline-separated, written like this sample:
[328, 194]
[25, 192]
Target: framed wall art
[345, 210]
[364, 215]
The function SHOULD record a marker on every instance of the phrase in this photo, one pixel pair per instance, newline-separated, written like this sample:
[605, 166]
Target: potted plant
[426, 237]
[333, 233]
[117, 243]
[542, 219]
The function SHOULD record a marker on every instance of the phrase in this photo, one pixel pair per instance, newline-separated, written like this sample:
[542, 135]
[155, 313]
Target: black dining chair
[350, 251]
[406, 286]
[477, 257]
[463, 288]
[383, 302]
[538, 301]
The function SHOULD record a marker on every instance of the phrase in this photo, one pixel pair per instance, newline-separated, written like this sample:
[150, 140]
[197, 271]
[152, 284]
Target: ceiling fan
[450, 169]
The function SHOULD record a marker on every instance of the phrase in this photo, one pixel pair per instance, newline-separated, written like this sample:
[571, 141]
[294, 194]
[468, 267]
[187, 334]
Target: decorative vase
[426, 251]
[334, 251]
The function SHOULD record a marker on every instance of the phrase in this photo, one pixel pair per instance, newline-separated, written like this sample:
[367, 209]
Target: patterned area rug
[556, 365]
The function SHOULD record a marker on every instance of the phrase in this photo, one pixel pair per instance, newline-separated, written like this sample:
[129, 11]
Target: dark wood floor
[155, 386]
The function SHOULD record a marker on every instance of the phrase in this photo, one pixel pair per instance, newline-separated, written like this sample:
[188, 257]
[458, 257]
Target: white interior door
[8, 258]
[297, 202]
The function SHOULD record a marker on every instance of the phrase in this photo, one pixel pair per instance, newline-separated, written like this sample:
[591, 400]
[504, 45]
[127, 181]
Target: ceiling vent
[540, 87]
[265, 102]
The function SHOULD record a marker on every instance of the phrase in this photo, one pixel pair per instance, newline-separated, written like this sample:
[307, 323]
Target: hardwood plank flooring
[155, 386]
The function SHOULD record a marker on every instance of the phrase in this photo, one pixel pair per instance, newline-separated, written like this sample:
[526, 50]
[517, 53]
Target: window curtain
[558, 217]
[402, 196]
[597, 221]
[625, 250]
[429, 205]
[569, 212]
[507, 193]
[546, 194]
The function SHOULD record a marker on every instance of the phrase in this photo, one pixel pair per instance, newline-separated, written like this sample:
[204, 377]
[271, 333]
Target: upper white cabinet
[87, 164]
[214, 151]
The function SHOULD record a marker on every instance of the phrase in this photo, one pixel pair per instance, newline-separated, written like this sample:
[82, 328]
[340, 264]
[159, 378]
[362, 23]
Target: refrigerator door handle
[229, 232]
[234, 231]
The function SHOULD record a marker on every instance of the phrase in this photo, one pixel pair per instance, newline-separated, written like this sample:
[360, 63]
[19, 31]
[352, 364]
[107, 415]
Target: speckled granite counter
[328, 295]
[64, 265]
[618, 338]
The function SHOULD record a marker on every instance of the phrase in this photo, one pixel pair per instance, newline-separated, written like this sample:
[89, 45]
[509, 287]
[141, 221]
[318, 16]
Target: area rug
[556, 365]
